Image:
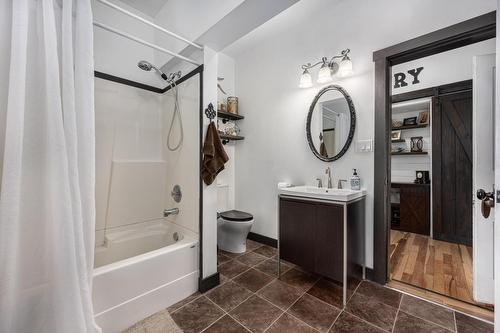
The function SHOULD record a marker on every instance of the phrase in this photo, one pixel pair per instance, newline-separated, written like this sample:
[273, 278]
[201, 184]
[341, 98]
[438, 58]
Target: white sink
[333, 194]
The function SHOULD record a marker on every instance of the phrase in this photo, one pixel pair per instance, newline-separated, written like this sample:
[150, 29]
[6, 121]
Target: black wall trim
[433, 91]
[210, 282]
[200, 154]
[263, 239]
[127, 82]
[464, 33]
[143, 86]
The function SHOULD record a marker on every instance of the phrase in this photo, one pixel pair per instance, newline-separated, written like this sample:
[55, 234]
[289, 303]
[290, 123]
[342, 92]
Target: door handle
[487, 201]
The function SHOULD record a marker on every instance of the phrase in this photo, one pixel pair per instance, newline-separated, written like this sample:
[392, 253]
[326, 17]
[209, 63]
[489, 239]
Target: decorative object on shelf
[396, 123]
[327, 70]
[423, 117]
[410, 121]
[228, 128]
[210, 112]
[422, 177]
[221, 107]
[416, 144]
[396, 135]
[232, 104]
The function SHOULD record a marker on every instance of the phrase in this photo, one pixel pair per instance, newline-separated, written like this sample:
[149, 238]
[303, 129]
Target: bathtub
[143, 269]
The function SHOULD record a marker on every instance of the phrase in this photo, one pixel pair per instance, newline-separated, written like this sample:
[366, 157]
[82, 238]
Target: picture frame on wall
[410, 121]
[423, 117]
[396, 135]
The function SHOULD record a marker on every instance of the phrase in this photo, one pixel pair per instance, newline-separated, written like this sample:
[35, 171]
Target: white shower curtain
[47, 181]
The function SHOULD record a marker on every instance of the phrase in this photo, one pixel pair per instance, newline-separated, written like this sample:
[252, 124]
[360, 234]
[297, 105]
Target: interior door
[452, 167]
[483, 175]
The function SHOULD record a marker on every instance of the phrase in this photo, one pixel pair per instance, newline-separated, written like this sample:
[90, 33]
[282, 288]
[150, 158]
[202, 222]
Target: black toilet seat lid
[236, 216]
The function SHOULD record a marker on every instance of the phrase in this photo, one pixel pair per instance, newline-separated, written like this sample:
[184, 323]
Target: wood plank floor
[441, 267]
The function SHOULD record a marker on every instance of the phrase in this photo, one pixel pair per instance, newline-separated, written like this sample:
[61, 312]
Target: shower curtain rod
[143, 42]
[156, 26]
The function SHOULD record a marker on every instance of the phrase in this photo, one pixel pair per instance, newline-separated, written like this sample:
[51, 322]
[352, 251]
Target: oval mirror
[330, 123]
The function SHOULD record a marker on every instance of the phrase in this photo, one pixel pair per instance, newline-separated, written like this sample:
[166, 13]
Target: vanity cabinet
[322, 236]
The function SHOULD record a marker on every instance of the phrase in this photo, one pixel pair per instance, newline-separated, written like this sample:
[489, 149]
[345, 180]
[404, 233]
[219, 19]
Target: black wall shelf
[398, 141]
[410, 153]
[409, 127]
[229, 115]
[226, 138]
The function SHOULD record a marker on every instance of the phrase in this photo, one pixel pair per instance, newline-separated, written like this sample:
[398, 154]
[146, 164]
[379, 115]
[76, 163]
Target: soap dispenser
[355, 181]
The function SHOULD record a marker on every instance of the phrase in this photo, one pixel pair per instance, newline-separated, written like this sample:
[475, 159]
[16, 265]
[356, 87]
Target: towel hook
[210, 112]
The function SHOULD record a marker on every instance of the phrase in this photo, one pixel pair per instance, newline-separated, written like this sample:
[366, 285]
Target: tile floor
[252, 299]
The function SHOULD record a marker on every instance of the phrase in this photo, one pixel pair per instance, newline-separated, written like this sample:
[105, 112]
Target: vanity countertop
[331, 194]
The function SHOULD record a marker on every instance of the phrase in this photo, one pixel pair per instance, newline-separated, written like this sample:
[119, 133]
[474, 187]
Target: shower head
[147, 66]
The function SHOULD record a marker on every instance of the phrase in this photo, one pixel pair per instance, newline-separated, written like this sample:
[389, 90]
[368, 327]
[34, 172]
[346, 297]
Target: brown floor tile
[160, 322]
[372, 310]
[197, 315]
[228, 254]
[409, 324]
[328, 291]
[253, 280]
[186, 300]
[136, 328]
[428, 311]
[288, 323]
[228, 295]
[267, 251]
[347, 323]
[314, 312]
[251, 259]
[379, 292]
[221, 258]
[252, 245]
[299, 279]
[466, 324]
[280, 294]
[232, 268]
[270, 267]
[226, 325]
[223, 279]
[256, 314]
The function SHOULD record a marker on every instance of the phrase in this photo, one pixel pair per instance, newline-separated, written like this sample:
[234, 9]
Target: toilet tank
[222, 197]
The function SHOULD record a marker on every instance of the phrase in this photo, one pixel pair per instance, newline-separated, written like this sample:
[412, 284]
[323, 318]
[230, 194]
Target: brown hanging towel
[214, 155]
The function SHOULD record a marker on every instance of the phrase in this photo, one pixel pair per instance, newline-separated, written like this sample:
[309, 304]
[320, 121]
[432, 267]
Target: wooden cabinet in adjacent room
[414, 208]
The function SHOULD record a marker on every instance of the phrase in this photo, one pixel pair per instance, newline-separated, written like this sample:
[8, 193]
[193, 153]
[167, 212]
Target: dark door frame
[464, 33]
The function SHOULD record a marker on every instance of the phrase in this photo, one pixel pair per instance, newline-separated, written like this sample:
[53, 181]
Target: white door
[483, 175]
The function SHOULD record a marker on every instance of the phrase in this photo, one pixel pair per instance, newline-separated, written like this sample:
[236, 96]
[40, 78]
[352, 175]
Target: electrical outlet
[364, 146]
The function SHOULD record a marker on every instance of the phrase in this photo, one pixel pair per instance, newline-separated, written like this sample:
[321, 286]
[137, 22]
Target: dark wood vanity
[324, 237]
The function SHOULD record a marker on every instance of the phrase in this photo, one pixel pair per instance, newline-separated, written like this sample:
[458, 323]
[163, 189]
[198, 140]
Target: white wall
[5, 26]
[447, 67]
[225, 69]
[267, 71]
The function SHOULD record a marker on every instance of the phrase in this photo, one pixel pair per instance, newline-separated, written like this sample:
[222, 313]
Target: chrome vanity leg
[344, 284]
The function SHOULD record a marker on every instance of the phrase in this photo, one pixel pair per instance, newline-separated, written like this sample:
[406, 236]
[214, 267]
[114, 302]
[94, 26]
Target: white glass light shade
[305, 80]
[345, 67]
[324, 74]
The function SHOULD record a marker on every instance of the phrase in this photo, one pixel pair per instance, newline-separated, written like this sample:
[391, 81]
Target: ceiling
[148, 7]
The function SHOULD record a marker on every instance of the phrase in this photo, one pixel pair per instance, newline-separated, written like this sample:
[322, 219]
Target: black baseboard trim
[208, 283]
[263, 239]
[369, 274]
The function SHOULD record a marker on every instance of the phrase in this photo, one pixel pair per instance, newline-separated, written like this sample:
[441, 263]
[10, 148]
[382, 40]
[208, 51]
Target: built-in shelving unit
[398, 141]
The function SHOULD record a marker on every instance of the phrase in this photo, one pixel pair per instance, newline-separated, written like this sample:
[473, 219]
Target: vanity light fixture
[327, 70]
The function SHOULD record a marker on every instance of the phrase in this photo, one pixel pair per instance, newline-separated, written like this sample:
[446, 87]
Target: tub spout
[171, 211]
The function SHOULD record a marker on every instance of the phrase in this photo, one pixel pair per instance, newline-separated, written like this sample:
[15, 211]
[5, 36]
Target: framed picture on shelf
[423, 117]
[396, 135]
[410, 121]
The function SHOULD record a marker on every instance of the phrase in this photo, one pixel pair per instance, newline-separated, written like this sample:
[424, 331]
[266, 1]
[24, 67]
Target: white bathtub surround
[47, 188]
[153, 271]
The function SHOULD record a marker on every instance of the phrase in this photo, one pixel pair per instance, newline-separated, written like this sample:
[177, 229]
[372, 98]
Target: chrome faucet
[320, 182]
[339, 184]
[329, 173]
[172, 211]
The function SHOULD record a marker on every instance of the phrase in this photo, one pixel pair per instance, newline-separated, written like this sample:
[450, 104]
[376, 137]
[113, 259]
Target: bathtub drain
[176, 236]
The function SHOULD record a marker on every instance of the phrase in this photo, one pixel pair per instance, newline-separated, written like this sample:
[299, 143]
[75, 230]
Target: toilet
[233, 226]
